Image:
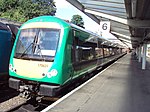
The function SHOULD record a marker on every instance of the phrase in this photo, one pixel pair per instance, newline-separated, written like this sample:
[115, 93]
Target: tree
[78, 20]
[22, 10]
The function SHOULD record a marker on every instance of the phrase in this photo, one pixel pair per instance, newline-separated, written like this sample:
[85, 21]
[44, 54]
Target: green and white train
[50, 53]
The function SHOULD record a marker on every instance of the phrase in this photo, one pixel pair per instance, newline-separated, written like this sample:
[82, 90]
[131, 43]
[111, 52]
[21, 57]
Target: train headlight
[12, 69]
[52, 73]
[15, 70]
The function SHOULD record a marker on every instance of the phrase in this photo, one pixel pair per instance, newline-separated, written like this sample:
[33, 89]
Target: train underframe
[28, 89]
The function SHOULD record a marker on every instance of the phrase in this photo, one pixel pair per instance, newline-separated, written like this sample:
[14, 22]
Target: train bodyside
[5, 50]
[39, 68]
[91, 52]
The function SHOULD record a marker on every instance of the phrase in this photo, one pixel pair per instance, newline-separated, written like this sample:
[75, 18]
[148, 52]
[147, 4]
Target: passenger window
[106, 52]
[99, 52]
[84, 51]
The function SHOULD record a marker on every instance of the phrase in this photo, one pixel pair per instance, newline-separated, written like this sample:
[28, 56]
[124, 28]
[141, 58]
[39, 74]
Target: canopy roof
[129, 18]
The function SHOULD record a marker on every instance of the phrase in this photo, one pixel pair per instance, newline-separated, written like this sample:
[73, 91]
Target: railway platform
[122, 87]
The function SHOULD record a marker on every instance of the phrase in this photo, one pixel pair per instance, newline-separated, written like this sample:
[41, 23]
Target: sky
[65, 11]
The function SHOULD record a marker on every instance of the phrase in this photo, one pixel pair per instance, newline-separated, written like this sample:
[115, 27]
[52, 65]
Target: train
[6, 43]
[50, 53]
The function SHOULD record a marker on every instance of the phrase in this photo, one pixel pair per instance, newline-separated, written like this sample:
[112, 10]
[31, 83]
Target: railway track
[25, 105]
[19, 104]
[6, 93]
[12, 103]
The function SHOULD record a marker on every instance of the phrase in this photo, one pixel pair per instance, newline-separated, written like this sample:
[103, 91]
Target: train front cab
[37, 57]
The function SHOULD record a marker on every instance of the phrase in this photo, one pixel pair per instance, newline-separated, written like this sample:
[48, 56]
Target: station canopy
[129, 19]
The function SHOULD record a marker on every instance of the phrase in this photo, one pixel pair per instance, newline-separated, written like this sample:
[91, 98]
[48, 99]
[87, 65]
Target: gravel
[11, 103]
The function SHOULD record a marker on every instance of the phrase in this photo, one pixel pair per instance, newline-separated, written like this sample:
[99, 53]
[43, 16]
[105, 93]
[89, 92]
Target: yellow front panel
[31, 69]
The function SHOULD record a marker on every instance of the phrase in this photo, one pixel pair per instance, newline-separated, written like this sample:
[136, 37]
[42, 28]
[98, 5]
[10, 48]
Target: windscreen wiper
[26, 50]
[39, 49]
[33, 47]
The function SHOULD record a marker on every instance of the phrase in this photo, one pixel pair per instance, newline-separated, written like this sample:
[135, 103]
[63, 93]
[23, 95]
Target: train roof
[95, 36]
[67, 24]
[13, 28]
[3, 27]
[90, 32]
[46, 19]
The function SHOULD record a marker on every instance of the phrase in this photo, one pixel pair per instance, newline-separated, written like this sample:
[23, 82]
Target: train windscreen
[37, 44]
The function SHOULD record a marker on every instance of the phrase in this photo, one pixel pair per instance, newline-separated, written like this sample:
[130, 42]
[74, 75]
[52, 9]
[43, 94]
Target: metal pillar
[137, 51]
[144, 56]
[139, 54]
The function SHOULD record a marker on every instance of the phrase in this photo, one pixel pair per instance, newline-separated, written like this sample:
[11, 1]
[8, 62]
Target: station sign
[105, 26]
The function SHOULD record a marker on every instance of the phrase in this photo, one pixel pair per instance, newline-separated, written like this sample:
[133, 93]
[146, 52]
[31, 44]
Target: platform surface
[123, 87]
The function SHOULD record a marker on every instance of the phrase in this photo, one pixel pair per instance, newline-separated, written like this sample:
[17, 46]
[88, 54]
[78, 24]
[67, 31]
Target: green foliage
[22, 10]
[78, 20]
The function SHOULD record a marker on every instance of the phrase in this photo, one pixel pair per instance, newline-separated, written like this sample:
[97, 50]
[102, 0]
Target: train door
[99, 53]
[75, 56]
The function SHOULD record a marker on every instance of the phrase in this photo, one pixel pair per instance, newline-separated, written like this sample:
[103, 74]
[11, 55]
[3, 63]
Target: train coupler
[25, 91]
